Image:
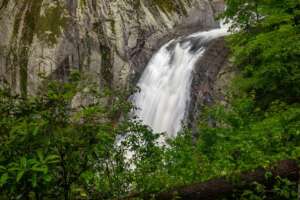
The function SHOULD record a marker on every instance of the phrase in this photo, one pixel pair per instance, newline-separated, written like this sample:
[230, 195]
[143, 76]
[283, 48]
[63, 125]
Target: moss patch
[169, 6]
[51, 23]
[46, 21]
[83, 3]
[4, 4]
[32, 13]
[166, 5]
[106, 56]
[47, 25]
[106, 68]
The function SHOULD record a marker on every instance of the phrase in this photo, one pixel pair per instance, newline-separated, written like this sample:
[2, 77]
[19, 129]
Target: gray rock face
[110, 39]
[210, 78]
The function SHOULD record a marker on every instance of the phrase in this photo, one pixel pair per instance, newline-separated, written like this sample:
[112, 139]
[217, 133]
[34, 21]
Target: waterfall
[165, 84]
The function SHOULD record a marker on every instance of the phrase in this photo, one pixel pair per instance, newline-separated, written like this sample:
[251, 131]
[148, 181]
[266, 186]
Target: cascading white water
[165, 84]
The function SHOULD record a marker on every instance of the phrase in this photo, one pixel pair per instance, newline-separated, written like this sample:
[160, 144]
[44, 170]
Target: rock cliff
[111, 40]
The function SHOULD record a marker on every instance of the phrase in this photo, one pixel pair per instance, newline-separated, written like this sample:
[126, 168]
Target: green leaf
[42, 168]
[52, 159]
[35, 131]
[2, 168]
[3, 179]
[20, 175]
[34, 180]
[23, 162]
[40, 155]
[47, 178]
[32, 162]
[45, 169]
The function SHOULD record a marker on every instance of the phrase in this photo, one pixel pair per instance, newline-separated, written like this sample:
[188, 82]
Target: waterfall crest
[165, 84]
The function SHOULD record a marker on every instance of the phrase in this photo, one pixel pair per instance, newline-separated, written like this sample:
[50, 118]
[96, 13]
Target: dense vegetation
[52, 150]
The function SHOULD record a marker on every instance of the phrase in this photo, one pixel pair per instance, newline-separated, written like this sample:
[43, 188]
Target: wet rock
[206, 86]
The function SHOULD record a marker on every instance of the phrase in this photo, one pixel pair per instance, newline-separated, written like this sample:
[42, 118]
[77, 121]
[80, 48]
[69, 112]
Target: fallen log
[223, 187]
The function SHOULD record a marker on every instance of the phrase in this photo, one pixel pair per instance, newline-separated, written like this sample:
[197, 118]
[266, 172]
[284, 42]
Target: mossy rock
[51, 23]
[169, 6]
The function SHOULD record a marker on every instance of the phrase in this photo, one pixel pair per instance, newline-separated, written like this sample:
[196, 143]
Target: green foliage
[244, 137]
[267, 49]
[50, 150]
[261, 123]
[282, 189]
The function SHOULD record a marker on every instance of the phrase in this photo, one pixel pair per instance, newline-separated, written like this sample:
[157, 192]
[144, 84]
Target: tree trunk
[223, 187]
